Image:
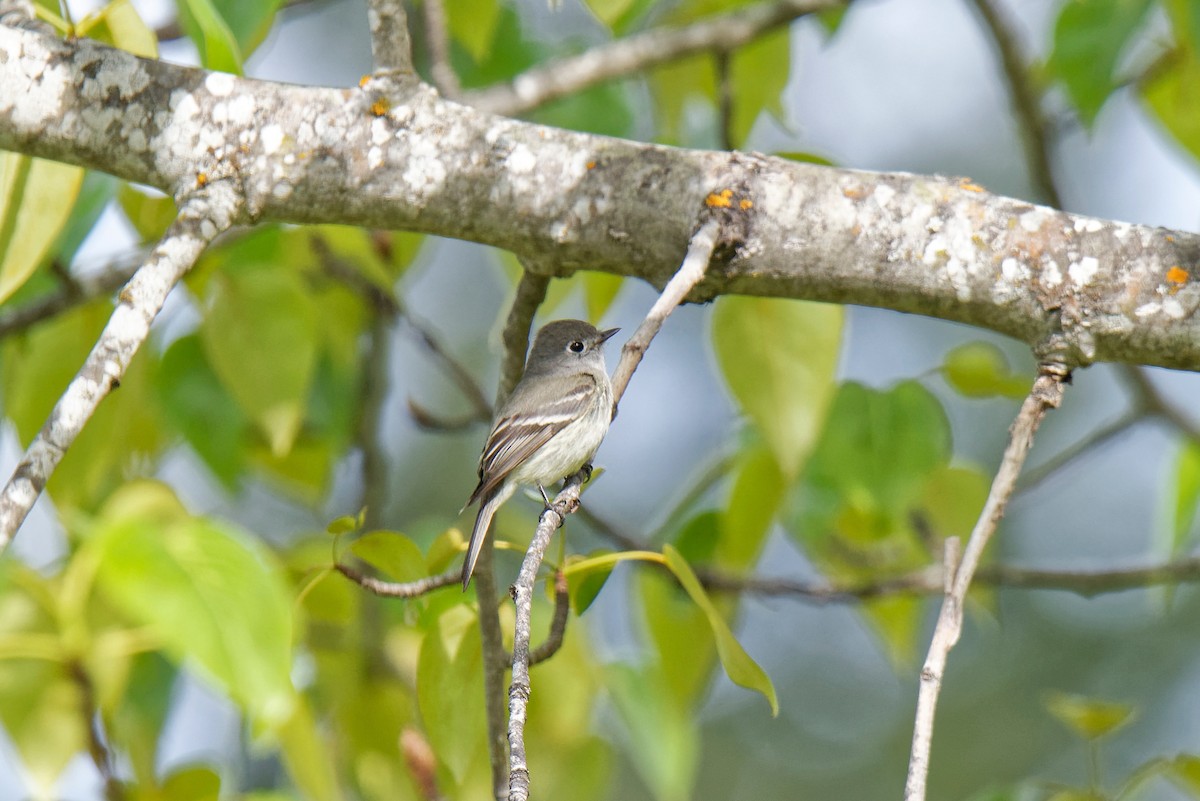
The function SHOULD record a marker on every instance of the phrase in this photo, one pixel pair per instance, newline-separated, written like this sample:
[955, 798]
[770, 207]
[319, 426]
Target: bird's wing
[516, 437]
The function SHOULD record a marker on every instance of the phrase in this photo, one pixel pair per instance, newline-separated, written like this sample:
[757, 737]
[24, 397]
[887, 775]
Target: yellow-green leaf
[979, 370]
[308, 756]
[36, 197]
[1089, 718]
[779, 359]
[741, 669]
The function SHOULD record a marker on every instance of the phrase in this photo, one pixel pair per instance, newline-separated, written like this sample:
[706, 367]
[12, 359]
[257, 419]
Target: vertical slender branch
[721, 60]
[690, 272]
[391, 46]
[1046, 394]
[437, 39]
[1026, 99]
[200, 219]
[531, 291]
[97, 749]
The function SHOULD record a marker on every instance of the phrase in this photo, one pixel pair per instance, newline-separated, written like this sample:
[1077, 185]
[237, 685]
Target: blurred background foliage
[171, 626]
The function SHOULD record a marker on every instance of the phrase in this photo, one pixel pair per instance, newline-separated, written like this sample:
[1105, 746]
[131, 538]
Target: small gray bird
[551, 424]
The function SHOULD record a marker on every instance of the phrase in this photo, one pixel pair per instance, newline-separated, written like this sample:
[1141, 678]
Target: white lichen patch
[220, 84]
[883, 195]
[425, 174]
[1033, 219]
[32, 104]
[1083, 271]
[241, 110]
[1051, 274]
[1014, 271]
[1173, 308]
[521, 161]
[380, 131]
[1148, 309]
[1088, 225]
[271, 137]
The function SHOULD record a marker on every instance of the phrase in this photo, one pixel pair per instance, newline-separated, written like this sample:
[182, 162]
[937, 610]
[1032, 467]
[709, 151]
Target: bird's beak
[607, 335]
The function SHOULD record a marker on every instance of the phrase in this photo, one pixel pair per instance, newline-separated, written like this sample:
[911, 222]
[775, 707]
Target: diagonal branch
[562, 77]
[1046, 394]
[691, 271]
[200, 219]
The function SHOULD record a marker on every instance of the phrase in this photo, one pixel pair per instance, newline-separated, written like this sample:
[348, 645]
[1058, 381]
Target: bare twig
[390, 42]
[700, 250]
[558, 623]
[1036, 475]
[97, 748]
[724, 98]
[391, 589]
[531, 291]
[1046, 394]
[690, 272]
[566, 76]
[522, 592]
[454, 369]
[1026, 99]
[200, 219]
[1153, 402]
[437, 40]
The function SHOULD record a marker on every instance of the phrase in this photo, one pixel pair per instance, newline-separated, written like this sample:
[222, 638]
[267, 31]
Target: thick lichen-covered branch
[938, 246]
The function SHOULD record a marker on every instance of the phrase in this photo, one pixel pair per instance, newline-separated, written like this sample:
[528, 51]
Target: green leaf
[192, 783]
[759, 73]
[36, 197]
[199, 407]
[248, 20]
[260, 336]
[1187, 494]
[599, 292]
[610, 12]
[449, 670]
[663, 741]
[758, 492]
[583, 587]
[779, 359]
[97, 190]
[216, 43]
[1184, 772]
[1089, 718]
[979, 370]
[472, 24]
[150, 215]
[1089, 37]
[391, 553]
[1170, 94]
[138, 721]
[119, 25]
[741, 669]
[213, 596]
[308, 755]
[804, 157]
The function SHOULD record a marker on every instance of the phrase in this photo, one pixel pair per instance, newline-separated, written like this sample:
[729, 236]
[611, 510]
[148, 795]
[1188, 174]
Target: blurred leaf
[391, 553]
[898, 623]
[741, 669]
[1187, 494]
[679, 632]
[662, 739]
[212, 595]
[1074, 794]
[759, 72]
[952, 499]
[449, 670]
[804, 158]
[36, 197]
[979, 370]
[1089, 37]
[217, 46]
[599, 292]
[192, 783]
[779, 358]
[343, 525]
[260, 336]
[1170, 94]
[1184, 772]
[248, 20]
[610, 11]
[1089, 718]
[308, 755]
[585, 586]
[97, 190]
[199, 407]
[472, 24]
[150, 215]
[117, 23]
[138, 721]
[758, 491]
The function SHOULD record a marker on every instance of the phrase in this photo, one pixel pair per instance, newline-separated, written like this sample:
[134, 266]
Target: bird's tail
[483, 521]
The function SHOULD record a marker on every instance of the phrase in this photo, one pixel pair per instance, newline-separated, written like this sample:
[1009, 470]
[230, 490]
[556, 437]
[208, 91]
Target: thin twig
[392, 589]
[531, 291]
[97, 749]
[1154, 403]
[1046, 394]
[200, 219]
[639, 52]
[700, 250]
[437, 41]
[522, 593]
[690, 272]
[721, 64]
[1026, 99]
[1036, 475]
[558, 623]
[454, 369]
[391, 46]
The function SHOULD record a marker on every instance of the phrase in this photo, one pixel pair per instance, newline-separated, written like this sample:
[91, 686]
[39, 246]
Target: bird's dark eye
[576, 347]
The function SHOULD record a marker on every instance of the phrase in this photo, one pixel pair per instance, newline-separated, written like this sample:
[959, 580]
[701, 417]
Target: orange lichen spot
[1177, 276]
[855, 192]
[1170, 238]
[969, 185]
[745, 204]
[201, 179]
[721, 200]
[364, 80]
[380, 107]
[591, 165]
